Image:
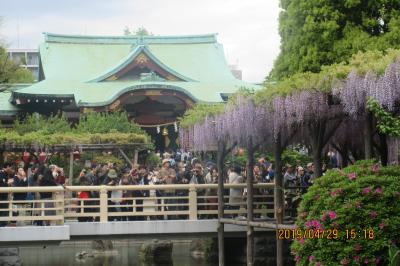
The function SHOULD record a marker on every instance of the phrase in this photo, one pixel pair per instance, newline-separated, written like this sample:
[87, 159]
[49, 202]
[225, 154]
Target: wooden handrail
[164, 187]
[30, 189]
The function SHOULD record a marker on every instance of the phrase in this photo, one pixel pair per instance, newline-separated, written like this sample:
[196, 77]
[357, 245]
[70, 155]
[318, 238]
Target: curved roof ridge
[131, 56]
[100, 39]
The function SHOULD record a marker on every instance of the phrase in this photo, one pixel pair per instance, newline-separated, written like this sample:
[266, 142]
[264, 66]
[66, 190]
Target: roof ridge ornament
[140, 40]
[152, 76]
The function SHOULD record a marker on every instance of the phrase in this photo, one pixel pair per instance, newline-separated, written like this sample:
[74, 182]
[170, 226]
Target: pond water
[125, 253]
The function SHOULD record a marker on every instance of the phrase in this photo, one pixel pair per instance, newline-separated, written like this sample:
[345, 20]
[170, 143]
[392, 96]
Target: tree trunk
[317, 160]
[317, 134]
[383, 149]
[1, 157]
[250, 180]
[278, 196]
[368, 136]
[393, 150]
[345, 155]
[220, 165]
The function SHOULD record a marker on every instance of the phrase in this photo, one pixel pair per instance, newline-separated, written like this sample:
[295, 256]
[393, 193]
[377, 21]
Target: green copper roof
[104, 93]
[131, 56]
[6, 108]
[75, 65]
[80, 39]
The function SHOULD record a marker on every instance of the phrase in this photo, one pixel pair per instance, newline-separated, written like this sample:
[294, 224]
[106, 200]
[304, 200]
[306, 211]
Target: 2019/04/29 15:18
[327, 234]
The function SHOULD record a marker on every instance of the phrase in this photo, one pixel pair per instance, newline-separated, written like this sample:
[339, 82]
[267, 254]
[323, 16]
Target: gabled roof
[6, 107]
[141, 52]
[82, 67]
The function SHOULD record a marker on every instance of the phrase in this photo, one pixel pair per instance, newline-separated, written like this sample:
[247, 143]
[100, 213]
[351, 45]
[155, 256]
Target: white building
[27, 58]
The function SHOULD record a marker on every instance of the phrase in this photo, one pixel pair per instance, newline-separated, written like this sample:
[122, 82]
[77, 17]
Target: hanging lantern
[26, 157]
[176, 127]
[158, 129]
[165, 131]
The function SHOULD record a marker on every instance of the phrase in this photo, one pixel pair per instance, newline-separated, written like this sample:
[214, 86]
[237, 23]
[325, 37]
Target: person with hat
[84, 180]
[167, 176]
[304, 179]
[115, 196]
[310, 172]
[290, 182]
[289, 179]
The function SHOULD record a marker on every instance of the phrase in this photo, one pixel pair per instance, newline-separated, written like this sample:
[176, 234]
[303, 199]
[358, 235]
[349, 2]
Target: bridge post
[192, 202]
[59, 199]
[103, 204]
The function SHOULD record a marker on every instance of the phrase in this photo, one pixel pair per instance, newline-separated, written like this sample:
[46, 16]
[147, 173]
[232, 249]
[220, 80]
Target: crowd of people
[175, 168]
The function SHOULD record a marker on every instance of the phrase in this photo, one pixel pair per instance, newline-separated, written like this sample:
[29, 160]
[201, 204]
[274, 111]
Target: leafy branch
[388, 124]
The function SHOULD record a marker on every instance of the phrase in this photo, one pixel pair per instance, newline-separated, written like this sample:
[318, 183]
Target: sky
[248, 30]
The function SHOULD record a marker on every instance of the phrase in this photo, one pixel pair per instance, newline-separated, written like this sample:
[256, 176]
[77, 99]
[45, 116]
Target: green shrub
[153, 160]
[362, 196]
[295, 158]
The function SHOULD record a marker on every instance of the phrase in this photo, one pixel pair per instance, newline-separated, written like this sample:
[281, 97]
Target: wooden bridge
[149, 211]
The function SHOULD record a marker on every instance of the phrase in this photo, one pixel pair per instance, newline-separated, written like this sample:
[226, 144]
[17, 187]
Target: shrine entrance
[156, 111]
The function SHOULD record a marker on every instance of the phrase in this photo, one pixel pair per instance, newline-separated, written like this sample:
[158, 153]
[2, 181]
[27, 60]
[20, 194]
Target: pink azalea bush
[362, 196]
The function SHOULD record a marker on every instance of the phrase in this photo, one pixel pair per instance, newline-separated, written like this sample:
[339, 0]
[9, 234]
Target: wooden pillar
[278, 196]
[250, 194]
[59, 198]
[126, 157]
[136, 157]
[103, 204]
[192, 202]
[71, 168]
[220, 165]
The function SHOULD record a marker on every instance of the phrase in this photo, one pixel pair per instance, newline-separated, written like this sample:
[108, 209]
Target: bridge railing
[154, 202]
[48, 209]
[133, 202]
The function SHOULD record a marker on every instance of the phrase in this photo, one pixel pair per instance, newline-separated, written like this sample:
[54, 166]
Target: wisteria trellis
[245, 120]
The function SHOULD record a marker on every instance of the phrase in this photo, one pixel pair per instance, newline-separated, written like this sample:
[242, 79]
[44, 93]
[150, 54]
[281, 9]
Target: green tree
[323, 32]
[94, 122]
[10, 72]
[141, 31]
[47, 125]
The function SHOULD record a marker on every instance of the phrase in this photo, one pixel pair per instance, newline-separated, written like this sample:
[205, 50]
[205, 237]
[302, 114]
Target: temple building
[155, 79]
